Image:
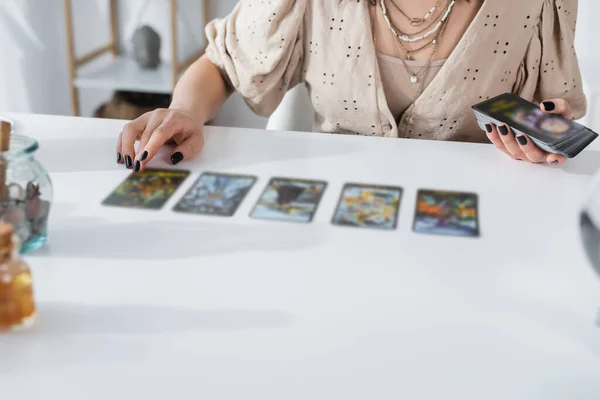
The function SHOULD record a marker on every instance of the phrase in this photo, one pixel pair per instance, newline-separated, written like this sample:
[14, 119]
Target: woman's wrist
[195, 113]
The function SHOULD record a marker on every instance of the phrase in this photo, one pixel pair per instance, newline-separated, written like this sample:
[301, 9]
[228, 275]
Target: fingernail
[522, 140]
[503, 130]
[119, 157]
[554, 162]
[488, 128]
[137, 166]
[176, 158]
[128, 161]
[144, 156]
[549, 105]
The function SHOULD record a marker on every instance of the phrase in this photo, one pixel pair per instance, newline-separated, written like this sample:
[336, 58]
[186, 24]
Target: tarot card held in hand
[292, 200]
[447, 213]
[368, 207]
[149, 189]
[216, 194]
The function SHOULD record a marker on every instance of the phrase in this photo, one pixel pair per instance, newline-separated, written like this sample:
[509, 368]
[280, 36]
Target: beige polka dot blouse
[264, 48]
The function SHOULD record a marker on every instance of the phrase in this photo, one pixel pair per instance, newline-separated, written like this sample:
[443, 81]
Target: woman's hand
[521, 147]
[155, 129]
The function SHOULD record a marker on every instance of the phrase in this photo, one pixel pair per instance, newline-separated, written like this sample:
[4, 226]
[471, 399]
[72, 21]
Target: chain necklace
[414, 77]
[417, 21]
[410, 52]
[406, 38]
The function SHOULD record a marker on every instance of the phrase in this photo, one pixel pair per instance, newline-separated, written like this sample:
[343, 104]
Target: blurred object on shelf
[131, 105]
[146, 45]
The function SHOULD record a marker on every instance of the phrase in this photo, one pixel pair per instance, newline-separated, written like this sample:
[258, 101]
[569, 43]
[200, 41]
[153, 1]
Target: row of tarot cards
[297, 200]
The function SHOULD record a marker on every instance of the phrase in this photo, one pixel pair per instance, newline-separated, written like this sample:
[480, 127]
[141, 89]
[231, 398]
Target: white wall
[33, 67]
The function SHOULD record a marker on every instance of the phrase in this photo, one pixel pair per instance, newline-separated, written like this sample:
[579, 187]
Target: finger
[531, 151]
[508, 138]
[157, 119]
[188, 148]
[119, 144]
[557, 106]
[555, 159]
[492, 134]
[494, 137]
[131, 132]
[161, 135]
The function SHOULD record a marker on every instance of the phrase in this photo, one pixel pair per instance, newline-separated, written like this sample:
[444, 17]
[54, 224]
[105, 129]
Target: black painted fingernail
[522, 140]
[488, 128]
[137, 166]
[503, 130]
[144, 156]
[554, 162]
[176, 158]
[119, 157]
[549, 105]
[128, 161]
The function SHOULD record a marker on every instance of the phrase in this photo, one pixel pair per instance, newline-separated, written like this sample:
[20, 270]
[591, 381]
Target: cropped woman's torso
[523, 47]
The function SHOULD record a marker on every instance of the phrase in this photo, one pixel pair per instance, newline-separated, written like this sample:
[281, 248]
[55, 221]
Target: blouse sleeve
[259, 49]
[559, 72]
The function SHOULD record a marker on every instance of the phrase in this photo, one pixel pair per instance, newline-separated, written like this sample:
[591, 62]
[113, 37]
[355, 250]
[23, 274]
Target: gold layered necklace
[416, 77]
[417, 21]
[421, 36]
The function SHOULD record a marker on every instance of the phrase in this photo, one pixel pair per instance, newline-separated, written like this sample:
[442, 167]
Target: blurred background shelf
[122, 73]
[106, 68]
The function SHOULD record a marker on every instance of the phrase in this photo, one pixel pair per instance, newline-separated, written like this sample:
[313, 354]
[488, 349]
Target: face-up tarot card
[447, 213]
[216, 194]
[292, 200]
[149, 189]
[368, 207]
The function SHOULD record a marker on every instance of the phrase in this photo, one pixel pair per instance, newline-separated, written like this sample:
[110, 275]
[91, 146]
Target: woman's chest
[443, 29]
[484, 52]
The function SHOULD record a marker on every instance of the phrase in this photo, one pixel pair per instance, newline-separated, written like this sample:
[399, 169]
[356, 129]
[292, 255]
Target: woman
[395, 68]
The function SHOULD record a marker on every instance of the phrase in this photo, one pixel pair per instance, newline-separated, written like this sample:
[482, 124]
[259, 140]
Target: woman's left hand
[520, 147]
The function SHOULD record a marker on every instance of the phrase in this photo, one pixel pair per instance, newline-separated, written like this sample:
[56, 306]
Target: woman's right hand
[155, 129]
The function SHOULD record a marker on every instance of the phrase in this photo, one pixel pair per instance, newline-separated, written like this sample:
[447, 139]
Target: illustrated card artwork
[149, 189]
[368, 207]
[447, 213]
[292, 200]
[216, 194]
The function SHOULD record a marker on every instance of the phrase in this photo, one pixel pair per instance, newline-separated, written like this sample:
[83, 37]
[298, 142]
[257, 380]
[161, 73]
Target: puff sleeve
[559, 74]
[259, 49]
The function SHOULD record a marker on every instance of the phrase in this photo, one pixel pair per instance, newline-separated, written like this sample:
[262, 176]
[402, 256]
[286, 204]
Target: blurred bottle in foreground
[590, 223]
[17, 305]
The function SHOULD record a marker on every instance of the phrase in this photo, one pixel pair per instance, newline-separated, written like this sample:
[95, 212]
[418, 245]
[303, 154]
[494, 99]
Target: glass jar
[27, 196]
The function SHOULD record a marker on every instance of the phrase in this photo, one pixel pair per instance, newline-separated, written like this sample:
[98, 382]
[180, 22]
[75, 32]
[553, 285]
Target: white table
[157, 305]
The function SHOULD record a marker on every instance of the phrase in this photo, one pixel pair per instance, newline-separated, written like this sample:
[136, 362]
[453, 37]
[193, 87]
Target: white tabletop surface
[157, 305]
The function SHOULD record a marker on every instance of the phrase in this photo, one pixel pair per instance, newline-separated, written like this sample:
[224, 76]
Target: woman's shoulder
[526, 8]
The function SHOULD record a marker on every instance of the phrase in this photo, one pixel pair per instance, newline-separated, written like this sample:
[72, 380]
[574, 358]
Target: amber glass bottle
[17, 305]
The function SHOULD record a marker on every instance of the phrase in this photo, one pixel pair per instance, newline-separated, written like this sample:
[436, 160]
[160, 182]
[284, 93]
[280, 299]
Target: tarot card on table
[368, 207]
[216, 194]
[447, 213]
[292, 200]
[149, 189]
